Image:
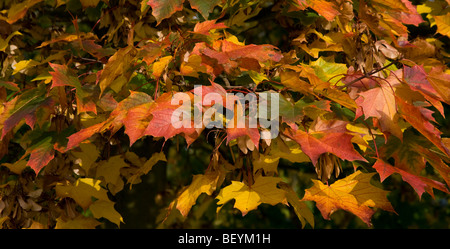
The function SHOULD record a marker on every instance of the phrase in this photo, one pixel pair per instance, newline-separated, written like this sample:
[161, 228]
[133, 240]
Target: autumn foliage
[86, 86]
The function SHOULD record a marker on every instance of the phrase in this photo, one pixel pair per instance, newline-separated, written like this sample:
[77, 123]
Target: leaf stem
[367, 75]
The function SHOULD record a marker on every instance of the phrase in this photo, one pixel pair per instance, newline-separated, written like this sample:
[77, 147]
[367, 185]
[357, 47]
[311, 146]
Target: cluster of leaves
[356, 91]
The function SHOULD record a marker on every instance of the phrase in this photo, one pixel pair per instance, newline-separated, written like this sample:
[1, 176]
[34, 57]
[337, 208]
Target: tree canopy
[224, 113]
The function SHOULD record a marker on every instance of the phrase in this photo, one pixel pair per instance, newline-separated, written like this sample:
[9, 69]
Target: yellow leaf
[193, 66]
[16, 167]
[79, 222]
[110, 169]
[206, 183]
[25, 64]
[354, 194]
[304, 214]
[269, 163]
[161, 65]
[257, 77]
[117, 65]
[82, 191]
[292, 80]
[443, 24]
[249, 197]
[18, 10]
[105, 209]
[148, 165]
[4, 43]
[87, 156]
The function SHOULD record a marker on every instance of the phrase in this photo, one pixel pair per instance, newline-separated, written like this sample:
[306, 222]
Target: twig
[367, 75]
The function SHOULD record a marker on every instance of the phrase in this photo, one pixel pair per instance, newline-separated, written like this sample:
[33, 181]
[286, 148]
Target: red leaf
[419, 183]
[41, 154]
[118, 118]
[226, 55]
[327, 136]
[77, 138]
[136, 121]
[419, 118]
[161, 124]
[416, 78]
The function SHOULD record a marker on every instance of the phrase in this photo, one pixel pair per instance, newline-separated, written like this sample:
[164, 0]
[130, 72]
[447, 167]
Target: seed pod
[325, 166]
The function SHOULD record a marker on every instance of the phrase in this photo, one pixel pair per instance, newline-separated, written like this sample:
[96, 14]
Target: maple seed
[327, 163]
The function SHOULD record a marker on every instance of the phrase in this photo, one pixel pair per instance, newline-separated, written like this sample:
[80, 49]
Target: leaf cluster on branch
[82, 82]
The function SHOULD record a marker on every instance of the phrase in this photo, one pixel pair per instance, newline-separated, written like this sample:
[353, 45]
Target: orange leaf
[326, 9]
[354, 194]
[204, 27]
[379, 102]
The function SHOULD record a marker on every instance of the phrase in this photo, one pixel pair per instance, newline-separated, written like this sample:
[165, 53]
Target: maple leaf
[406, 152]
[443, 24]
[161, 124]
[292, 80]
[79, 222]
[419, 183]
[416, 78]
[86, 155]
[146, 167]
[160, 66]
[439, 80]
[76, 138]
[205, 27]
[379, 102]
[419, 118]
[24, 107]
[327, 136]
[249, 197]
[354, 194]
[105, 209]
[204, 7]
[324, 88]
[109, 172]
[136, 104]
[41, 154]
[333, 41]
[205, 183]
[269, 163]
[164, 9]
[325, 8]
[327, 70]
[117, 65]
[18, 10]
[82, 191]
[225, 55]
[64, 77]
[136, 121]
[304, 214]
